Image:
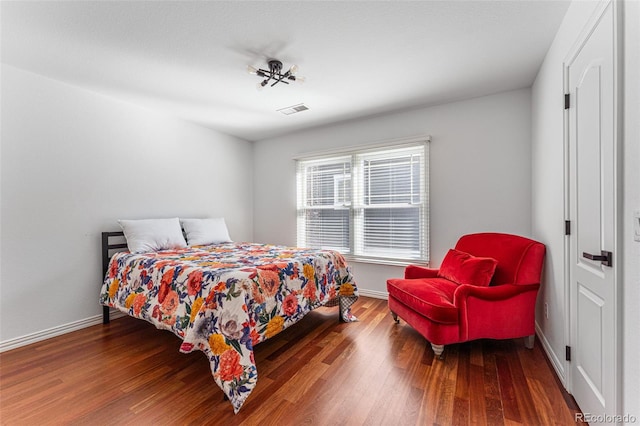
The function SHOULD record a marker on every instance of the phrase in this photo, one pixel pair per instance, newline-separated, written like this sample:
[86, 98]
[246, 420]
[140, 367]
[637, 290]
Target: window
[370, 204]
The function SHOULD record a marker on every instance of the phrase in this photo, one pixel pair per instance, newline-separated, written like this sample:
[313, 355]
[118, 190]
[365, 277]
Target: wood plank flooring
[317, 372]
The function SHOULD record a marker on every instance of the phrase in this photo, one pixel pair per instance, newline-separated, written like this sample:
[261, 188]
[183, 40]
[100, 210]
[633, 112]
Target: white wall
[548, 195]
[480, 175]
[631, 152]
[73, 162]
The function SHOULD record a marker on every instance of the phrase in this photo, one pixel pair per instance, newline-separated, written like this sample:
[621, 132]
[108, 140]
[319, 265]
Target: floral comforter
[224, 299]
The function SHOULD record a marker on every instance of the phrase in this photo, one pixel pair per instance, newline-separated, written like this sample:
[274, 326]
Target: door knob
[604, 257]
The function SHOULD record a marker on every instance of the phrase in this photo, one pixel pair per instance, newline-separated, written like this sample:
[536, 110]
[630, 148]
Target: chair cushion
[463, 268]
[430, 297]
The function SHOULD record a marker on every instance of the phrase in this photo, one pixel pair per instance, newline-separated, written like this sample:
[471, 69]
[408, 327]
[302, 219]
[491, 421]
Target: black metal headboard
[108, 246]
[111, 242]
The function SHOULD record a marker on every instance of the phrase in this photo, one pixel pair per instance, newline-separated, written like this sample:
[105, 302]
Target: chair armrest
[414, 271]
[500, 292]
[501, 312]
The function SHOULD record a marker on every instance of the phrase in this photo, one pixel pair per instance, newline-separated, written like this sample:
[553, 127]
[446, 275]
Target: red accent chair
[485, 288]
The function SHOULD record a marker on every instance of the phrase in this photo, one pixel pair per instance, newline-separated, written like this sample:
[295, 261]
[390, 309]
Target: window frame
[356, 226]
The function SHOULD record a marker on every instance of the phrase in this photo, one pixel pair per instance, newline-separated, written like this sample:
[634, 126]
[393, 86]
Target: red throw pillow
[463, 268]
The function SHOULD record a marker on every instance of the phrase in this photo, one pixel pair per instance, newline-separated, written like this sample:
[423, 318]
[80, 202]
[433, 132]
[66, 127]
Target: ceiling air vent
[293, 109]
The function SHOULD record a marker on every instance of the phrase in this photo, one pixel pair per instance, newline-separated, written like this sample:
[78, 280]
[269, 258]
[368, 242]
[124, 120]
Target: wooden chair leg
[528, 341]
[437, 349]
[395, 317]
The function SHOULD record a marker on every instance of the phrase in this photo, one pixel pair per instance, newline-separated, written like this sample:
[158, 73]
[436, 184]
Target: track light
[274, 74]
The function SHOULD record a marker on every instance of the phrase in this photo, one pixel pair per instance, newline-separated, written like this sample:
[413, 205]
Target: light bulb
[293, 70]
[252, 70]
[300, 79]
[261, 85]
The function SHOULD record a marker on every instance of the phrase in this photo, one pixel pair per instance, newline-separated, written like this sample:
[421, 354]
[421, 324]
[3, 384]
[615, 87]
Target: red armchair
[485, 288]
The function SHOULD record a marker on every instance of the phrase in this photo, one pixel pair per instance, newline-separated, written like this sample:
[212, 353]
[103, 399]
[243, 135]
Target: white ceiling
[360, 58]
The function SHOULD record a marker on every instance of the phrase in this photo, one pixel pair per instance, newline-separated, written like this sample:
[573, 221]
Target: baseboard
[38, 336]
[28, 339]
[17, 342]
[373, 293]
[551, 355]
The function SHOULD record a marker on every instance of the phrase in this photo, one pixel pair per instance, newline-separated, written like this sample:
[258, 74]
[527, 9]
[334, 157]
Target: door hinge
[567, 101]
[567, 227]
[568, 353]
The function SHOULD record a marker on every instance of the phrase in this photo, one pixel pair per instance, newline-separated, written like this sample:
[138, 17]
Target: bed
[224, 299]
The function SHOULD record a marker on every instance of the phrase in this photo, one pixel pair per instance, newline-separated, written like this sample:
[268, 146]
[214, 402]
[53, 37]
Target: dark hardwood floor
[318, 371]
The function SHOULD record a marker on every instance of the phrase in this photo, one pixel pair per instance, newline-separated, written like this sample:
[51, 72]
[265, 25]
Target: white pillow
[205, 231]
[147, 235]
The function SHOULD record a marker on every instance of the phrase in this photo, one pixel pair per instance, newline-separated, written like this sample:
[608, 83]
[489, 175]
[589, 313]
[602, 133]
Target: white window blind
[370, 204]
[324, 200]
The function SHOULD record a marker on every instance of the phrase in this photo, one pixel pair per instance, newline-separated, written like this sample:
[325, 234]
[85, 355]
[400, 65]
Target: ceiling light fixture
[274, 73]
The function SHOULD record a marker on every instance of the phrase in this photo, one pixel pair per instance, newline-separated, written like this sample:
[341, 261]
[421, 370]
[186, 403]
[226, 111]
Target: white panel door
[592, 210]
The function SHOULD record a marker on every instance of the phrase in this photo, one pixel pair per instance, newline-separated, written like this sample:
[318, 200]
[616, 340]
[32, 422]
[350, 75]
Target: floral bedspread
[224, 299]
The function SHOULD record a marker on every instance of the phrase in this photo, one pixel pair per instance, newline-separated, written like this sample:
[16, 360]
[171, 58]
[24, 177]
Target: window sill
[388, 262]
